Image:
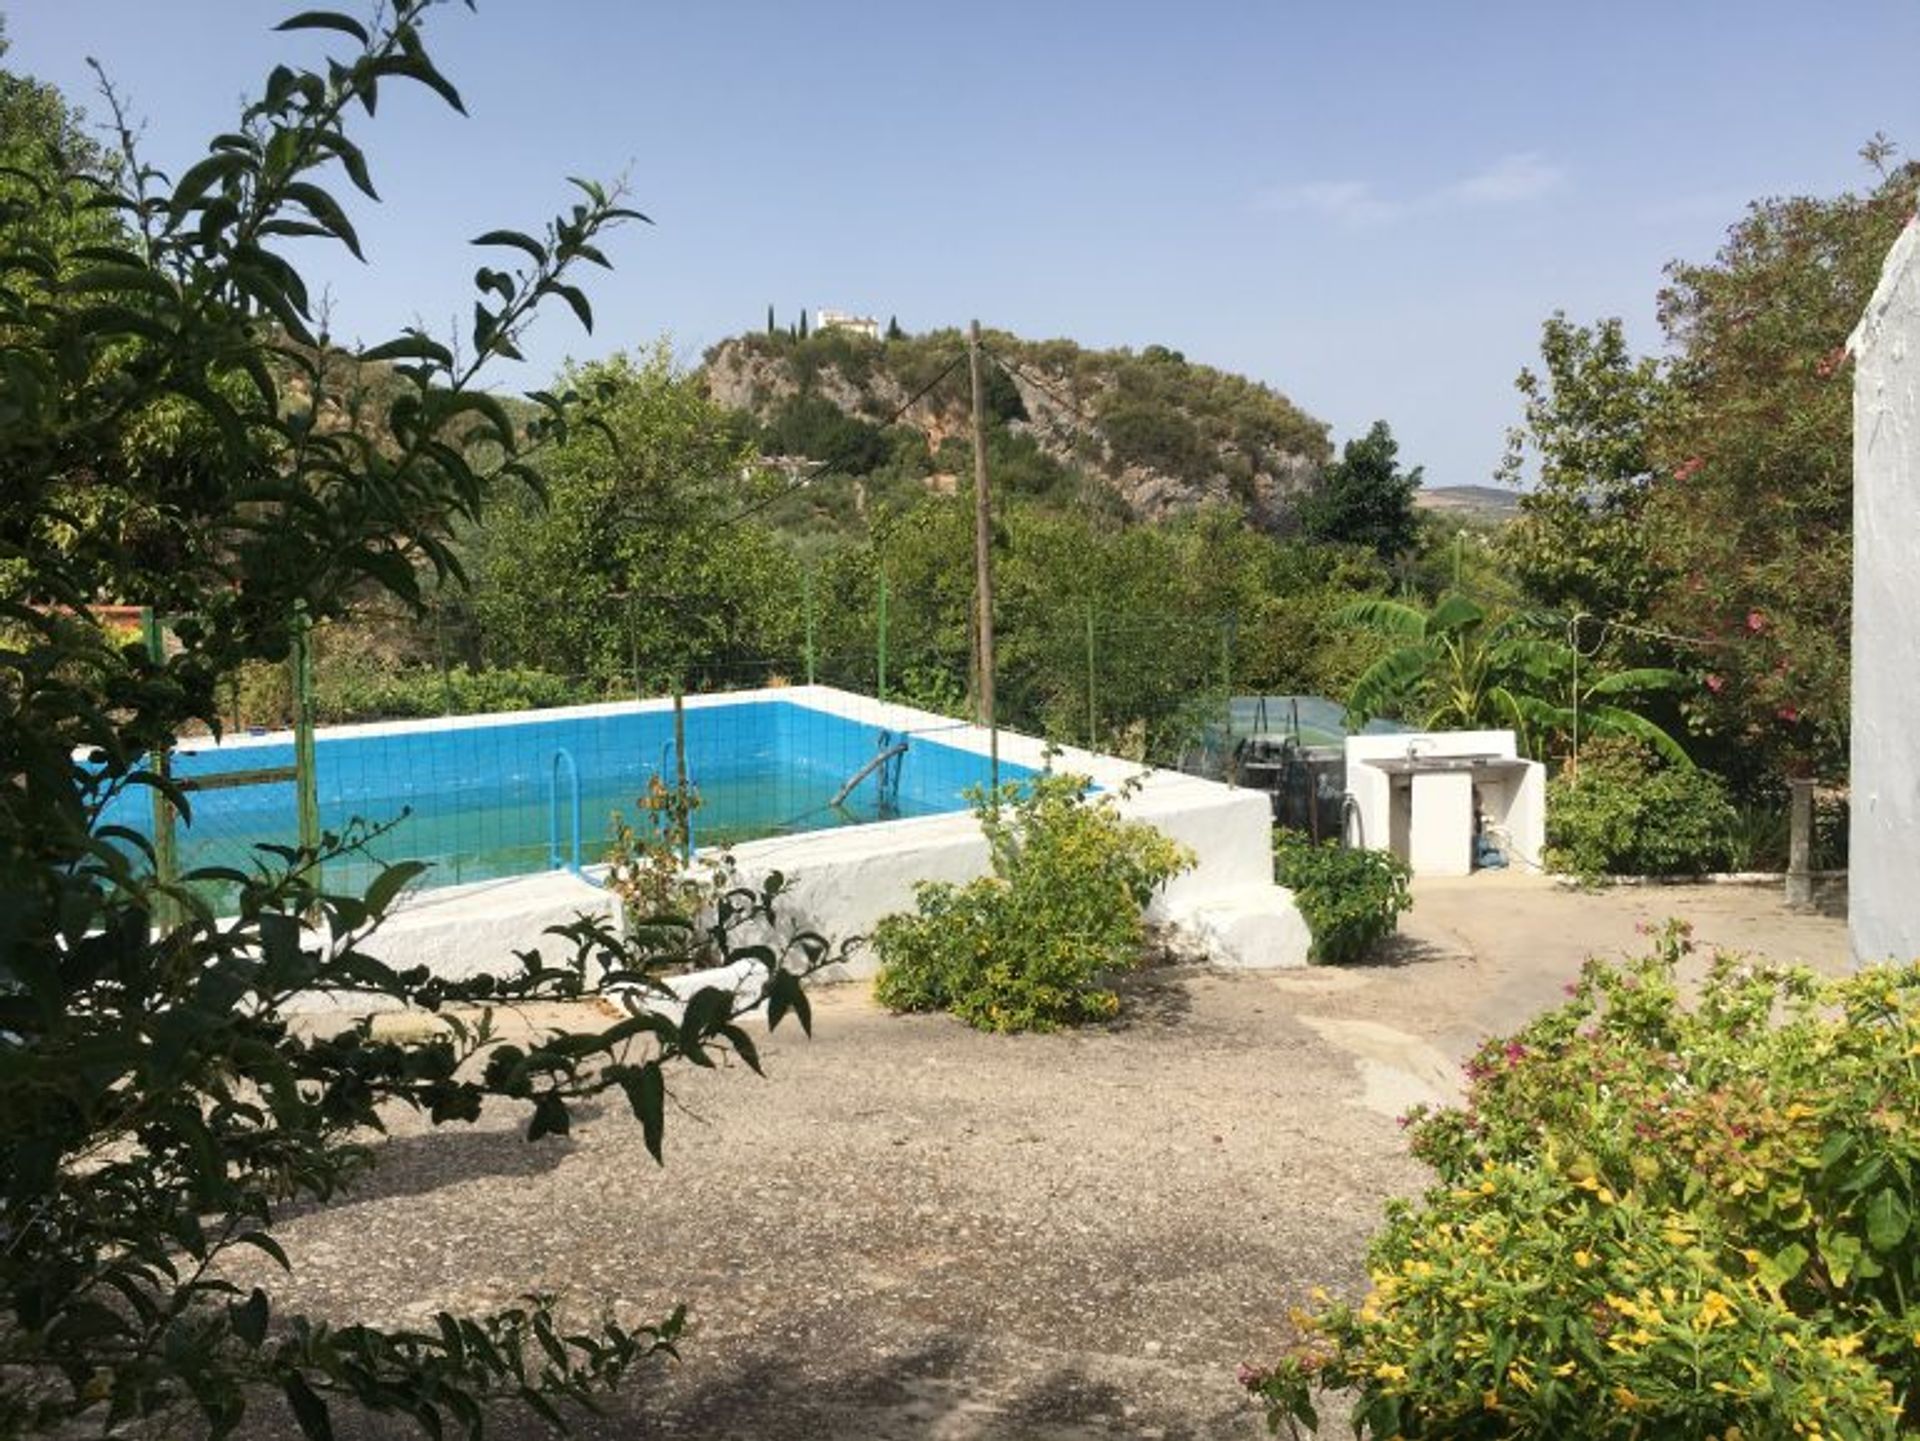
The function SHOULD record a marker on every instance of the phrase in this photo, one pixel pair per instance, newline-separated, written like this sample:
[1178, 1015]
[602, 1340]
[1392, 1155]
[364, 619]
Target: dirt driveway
[914, 1231]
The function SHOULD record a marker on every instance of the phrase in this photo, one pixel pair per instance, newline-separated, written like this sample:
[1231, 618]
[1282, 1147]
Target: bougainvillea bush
[1653, 1218]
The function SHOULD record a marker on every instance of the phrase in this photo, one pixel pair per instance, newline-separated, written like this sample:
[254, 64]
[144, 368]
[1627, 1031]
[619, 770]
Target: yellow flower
[1715, 1308]
[1490, 1399]
[1583, 1259]
[1387, 1371]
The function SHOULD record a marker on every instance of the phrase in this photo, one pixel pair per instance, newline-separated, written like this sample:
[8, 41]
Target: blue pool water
[483, 801]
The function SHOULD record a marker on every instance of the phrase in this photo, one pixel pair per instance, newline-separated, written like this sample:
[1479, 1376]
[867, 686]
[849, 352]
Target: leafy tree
[156, 1109]
[1580, 542]
[1364, 498]
[644, 554]
[1460, 667]
[894, 332]
[1751, 519]
[811, 425]
[769, 320]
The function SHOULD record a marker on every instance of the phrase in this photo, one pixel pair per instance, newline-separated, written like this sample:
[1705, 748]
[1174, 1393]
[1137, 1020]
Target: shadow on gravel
[770, 1396]
[1398, 951]
[416, 1165]
[1153, 998]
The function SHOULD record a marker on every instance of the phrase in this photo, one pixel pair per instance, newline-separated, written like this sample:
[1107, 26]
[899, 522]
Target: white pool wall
[843, 881]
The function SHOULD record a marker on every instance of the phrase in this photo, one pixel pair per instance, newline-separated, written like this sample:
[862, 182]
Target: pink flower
[1756, 622]
[1688, 468]
[1716, 683]
[1788, 714]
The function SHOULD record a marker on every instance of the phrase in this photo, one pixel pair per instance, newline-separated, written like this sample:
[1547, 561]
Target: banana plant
[1460, 666]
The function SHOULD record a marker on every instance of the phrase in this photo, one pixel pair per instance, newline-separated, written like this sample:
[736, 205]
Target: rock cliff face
[1162, 435]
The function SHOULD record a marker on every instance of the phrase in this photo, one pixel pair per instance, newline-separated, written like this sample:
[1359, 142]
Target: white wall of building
[1883, 899]
[1426, 817]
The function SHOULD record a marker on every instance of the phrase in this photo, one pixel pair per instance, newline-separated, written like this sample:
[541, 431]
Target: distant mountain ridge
[1492, 504]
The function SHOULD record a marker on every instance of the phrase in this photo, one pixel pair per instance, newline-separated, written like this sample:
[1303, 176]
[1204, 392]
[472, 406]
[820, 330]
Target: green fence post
[1227, 627]
[807, 592]
[306, 784]
[882, 636]
[1093, 728]
[633, 646]
[166, 840]
[440, 645]
[683, 822]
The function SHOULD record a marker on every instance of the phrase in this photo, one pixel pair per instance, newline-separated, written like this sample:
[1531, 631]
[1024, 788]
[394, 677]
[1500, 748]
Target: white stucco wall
[1883, 901]
[1427, 819]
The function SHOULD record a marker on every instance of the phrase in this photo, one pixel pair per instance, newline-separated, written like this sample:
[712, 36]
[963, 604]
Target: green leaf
[388, 885]
[706, 1012]
[249, 1318]
[1390, 617]
[550, 1118]
[411, 346]
[308, 1409]
[576, 298]
[326, 20]
[266, 1243]
[517, 240]
[1453, 614]
[1783, 1265]
[325, 209]
[647, 1095]
[200, 178]
[1888, 1220]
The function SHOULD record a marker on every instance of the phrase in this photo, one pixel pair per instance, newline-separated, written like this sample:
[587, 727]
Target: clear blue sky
[1371, 206]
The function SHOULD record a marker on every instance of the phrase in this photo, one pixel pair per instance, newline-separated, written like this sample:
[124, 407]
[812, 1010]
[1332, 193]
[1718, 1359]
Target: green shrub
[1031, 946]
[1351, 899]
[351, 693]
[1624, 812]
[1654, 1219]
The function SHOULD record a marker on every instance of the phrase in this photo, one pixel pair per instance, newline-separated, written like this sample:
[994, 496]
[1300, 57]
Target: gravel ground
[911, 1230]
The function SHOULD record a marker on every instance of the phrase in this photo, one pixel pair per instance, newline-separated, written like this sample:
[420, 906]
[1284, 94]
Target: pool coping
[842, 880]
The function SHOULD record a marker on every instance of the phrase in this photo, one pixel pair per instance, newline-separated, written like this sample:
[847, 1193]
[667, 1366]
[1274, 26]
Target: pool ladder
[555, 860]
[886, 761]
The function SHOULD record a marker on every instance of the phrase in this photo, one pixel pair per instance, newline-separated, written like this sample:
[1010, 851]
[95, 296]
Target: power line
[1015, 368]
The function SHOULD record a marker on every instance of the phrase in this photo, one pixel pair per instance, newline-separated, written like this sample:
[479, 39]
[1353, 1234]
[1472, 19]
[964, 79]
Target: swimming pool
[485, 797]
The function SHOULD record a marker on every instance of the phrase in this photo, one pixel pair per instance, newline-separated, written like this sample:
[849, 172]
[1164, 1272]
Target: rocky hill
[1149, 434]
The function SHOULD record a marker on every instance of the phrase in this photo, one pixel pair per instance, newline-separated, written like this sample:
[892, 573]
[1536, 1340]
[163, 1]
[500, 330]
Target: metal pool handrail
[553, 809]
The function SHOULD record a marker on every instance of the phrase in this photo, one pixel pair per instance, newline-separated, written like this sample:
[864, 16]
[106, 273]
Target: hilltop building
[825, 320]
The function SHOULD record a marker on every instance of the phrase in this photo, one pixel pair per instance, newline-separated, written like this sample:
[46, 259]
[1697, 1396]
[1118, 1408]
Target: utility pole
[983, 546]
